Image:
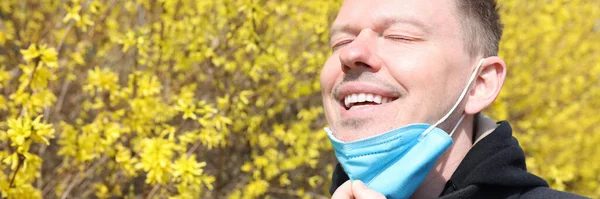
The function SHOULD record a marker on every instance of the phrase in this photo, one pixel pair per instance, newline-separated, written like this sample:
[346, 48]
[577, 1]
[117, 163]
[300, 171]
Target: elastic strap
[457, 124]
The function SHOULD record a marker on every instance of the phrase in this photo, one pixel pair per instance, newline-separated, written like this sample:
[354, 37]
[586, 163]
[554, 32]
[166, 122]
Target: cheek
[329, 74]
[411, 71]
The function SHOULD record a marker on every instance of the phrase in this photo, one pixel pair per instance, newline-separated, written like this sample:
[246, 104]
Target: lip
[364, 111]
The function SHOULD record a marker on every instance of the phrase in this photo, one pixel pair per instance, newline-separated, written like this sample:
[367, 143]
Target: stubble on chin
[356, 129]
[354, 124]
[353, 127]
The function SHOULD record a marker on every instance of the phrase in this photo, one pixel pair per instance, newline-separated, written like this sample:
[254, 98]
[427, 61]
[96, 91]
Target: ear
[487, 85]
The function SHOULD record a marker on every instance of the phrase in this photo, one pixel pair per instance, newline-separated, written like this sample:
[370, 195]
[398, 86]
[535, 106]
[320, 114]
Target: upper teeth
[364, 97]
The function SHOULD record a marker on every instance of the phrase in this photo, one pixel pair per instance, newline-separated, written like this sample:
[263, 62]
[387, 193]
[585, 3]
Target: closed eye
[340, 44]
[402, 38]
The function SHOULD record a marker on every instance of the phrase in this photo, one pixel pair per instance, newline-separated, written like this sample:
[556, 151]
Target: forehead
[426, 14]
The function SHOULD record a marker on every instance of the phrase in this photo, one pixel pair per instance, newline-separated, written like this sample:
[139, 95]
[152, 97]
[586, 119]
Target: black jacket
[493, 168]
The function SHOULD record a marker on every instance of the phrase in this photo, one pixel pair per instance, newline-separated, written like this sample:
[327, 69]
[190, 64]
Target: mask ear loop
[460, 98]
[457, 124]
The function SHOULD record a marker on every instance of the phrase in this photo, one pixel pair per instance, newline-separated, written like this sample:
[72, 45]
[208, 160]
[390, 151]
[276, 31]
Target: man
[397, 64]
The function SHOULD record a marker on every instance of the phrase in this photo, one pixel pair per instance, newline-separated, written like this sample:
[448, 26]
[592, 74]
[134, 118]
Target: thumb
[344, 191]
[361, 191]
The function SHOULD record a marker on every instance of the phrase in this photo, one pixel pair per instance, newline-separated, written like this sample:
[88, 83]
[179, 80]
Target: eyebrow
[386, 22]
[390, 21]
[337, 29]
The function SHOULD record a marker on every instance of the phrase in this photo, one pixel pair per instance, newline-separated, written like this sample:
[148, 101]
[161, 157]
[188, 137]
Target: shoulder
[504, 192]
[548, 193]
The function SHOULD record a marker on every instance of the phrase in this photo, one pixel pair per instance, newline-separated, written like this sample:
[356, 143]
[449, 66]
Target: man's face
[394, 62]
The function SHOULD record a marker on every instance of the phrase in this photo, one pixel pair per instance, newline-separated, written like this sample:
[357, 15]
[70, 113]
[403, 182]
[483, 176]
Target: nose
[360, 54]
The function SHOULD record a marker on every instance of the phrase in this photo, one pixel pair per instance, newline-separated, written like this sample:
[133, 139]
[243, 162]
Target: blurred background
[220, 99]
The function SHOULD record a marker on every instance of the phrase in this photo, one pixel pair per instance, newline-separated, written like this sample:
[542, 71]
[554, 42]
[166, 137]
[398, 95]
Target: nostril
[357, 66]
[345, 68]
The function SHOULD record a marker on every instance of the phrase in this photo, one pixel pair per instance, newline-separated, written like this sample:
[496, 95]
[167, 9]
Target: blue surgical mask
[396, 163]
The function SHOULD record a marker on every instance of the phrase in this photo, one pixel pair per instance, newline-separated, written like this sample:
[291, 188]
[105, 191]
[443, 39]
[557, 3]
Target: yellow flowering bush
[206, 99]
[162, 99]
[552, 92]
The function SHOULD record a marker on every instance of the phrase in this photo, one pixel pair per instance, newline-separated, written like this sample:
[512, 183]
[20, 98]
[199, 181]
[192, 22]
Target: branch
[21, 160]
[89, 172]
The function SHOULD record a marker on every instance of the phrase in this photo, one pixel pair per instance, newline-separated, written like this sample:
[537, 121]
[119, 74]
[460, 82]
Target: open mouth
[357, 100]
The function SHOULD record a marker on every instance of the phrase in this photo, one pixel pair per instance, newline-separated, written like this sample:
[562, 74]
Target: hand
[356, 190]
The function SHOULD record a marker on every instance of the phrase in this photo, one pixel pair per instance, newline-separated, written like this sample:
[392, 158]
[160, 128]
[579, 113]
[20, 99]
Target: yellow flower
[256, 188]
[187, 109]
[19, 130]
[125, 160]
[187, 169]
[22, 130]
[314, 181]
[2, 38]
[84, 23]
[156, 157]
[96, 6]
[128, 41]
[148, 85]
[31, 53]
[49, 56]
[284, 180]
[77, 58]
[101, 191]
[4, 76]
[72, 13]
[102, 80]
[41, 131]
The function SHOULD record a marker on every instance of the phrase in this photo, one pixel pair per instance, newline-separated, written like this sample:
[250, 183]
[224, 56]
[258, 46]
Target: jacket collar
[496, 160]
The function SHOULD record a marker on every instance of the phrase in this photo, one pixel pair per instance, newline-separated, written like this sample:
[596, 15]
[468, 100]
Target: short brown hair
[481, 26]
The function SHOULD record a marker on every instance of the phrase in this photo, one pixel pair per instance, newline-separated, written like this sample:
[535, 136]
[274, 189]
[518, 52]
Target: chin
[359, 128]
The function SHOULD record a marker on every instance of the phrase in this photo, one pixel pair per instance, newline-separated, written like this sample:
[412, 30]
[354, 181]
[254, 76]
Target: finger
[344, 191]
[361, 191]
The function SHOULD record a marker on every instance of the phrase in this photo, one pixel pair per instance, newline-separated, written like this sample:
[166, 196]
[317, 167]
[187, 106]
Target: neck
[434, 183]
